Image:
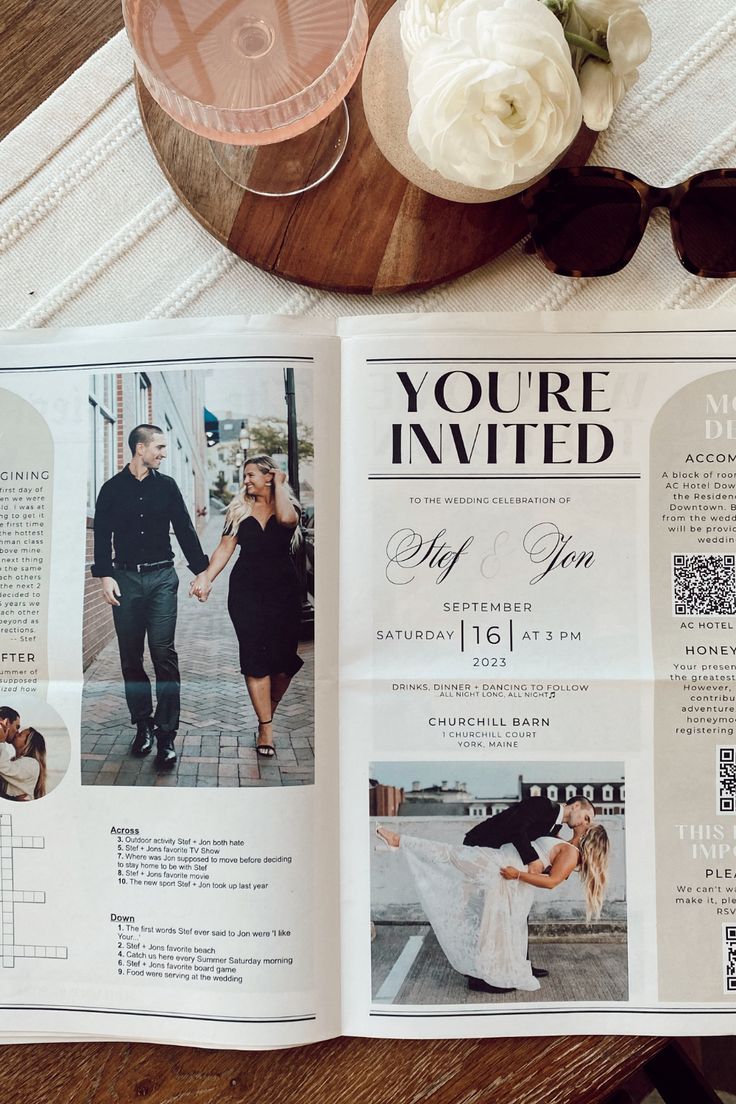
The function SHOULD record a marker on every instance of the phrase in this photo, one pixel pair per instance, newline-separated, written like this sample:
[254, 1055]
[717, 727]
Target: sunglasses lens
[708, 225]
[587, 225]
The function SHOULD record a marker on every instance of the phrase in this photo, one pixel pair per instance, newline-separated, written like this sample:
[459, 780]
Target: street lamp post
[244, 447]
[292, 452]
[292, 435]
[244, 438]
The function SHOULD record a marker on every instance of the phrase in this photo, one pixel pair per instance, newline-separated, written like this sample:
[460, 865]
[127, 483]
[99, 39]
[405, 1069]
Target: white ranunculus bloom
[495, 101]
[602, 88]
[419, 19]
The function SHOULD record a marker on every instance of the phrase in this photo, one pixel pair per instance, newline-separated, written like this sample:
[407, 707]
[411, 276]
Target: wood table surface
[578, 1070]
[365, 230]
[41, 43]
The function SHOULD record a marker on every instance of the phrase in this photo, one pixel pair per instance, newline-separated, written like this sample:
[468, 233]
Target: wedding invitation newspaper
[368, 677]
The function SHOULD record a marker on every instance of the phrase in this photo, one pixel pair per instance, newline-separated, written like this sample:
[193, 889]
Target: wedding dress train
[479, 918]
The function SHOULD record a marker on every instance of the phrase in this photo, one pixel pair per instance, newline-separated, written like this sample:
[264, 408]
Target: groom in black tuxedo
[520, 824]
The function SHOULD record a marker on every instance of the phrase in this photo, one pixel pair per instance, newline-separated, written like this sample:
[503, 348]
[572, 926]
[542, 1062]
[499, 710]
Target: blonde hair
[241, 507]
[594, 854]
[36, 749]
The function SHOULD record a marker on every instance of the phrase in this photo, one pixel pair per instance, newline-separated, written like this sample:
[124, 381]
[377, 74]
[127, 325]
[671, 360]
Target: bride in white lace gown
[477, 899]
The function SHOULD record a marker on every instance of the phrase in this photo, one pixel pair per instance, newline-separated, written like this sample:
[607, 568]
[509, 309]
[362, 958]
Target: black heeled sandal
[264, 751]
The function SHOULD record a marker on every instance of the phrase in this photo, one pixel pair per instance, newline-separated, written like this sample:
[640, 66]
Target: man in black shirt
[134, 512]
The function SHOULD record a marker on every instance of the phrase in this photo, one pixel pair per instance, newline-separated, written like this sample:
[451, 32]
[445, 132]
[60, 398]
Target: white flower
[596, 13]
[419, 20]
[495, 101]
[628, 39]
[602, 88]
[622, 28]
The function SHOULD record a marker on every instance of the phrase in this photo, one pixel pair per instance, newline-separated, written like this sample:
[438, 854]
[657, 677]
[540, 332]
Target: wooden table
[42, 44]
[346, 1071]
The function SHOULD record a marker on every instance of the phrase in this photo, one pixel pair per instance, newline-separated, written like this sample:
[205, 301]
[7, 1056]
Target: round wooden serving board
[365, 230]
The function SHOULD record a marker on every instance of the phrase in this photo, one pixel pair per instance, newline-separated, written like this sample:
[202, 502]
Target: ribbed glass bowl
[249, 72]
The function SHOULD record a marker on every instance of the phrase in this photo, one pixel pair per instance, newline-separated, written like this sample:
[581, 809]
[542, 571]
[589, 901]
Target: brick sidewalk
[215, 744]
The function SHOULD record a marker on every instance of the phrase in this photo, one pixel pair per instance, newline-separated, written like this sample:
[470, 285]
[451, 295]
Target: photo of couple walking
[477, 894]
[31, 763]
[140, 517]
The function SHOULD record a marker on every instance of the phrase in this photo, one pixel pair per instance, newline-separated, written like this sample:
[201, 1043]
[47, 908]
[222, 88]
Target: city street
[216, 739]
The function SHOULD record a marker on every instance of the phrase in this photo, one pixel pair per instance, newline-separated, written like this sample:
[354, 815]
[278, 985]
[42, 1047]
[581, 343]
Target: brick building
[384, 801]
[117, 403]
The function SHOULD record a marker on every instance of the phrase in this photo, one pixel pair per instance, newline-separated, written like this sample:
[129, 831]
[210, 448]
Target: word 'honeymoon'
[460, 391]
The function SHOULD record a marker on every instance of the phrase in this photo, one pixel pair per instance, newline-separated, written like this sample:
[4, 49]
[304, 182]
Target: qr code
[729, 958]
[726, 779]
[704, 585]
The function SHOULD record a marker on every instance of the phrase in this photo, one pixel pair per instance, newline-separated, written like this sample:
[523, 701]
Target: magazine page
[538, 593]
[168, 707]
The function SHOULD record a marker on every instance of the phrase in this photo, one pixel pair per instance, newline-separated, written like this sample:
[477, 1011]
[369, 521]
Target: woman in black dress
[264, 600]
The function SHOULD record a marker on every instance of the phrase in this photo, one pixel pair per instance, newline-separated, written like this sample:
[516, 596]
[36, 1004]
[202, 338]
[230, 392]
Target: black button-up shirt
[134, 516]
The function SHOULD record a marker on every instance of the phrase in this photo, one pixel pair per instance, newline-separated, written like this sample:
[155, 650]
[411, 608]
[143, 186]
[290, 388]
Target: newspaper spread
[368, 678]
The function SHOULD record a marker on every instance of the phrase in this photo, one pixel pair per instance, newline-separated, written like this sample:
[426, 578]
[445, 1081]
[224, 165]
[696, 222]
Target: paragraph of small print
[726, 779]
[703, 585]
[729, 959]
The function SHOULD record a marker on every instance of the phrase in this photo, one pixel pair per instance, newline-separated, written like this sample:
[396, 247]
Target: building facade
[609, 798]
[443, 799]
[117, 403]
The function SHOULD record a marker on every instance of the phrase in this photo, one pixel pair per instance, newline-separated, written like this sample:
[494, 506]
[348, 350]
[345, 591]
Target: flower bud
[597, 13]
[629, 40]
[599, 86]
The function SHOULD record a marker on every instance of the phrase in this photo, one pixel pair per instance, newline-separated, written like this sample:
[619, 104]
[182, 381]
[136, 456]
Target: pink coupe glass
[250, 73]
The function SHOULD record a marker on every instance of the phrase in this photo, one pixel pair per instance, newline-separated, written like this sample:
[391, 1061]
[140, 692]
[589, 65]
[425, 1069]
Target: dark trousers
[148, 608]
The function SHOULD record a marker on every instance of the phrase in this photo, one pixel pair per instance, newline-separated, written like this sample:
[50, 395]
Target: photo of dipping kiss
[506, 886]
[199, 594]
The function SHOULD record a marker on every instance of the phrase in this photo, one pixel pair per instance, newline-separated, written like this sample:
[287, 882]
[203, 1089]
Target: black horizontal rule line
[585, 1010]
[307, 1017]
[557, 475]
[112, 364]
[553, 360]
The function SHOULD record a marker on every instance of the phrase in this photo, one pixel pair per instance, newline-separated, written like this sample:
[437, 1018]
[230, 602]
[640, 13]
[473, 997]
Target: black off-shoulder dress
[264, 600]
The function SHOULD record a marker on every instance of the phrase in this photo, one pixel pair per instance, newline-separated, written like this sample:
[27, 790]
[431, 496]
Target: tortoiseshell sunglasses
[588, 221]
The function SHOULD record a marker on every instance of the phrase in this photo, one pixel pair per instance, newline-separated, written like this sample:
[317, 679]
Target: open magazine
[372, 677]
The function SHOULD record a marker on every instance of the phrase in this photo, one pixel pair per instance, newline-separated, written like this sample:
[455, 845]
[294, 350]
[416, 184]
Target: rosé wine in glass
[250, 72]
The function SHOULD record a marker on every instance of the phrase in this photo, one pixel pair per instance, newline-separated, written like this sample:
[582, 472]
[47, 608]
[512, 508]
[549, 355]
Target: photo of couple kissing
[22, 759]
[477, 895]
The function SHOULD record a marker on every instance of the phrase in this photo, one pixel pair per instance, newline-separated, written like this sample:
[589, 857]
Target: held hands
[200, 587]
[110, 590]
[510, 873]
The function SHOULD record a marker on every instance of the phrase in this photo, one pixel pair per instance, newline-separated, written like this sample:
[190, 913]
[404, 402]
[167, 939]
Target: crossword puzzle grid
[10, 897]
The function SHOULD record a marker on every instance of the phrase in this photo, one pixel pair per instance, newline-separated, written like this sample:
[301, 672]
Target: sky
[257, 391]
[492, 779]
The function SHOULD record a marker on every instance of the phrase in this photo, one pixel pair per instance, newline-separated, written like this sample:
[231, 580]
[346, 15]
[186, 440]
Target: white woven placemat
[90, 232]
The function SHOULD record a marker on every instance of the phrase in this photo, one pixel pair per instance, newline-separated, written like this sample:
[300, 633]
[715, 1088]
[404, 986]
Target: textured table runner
[91, 232]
